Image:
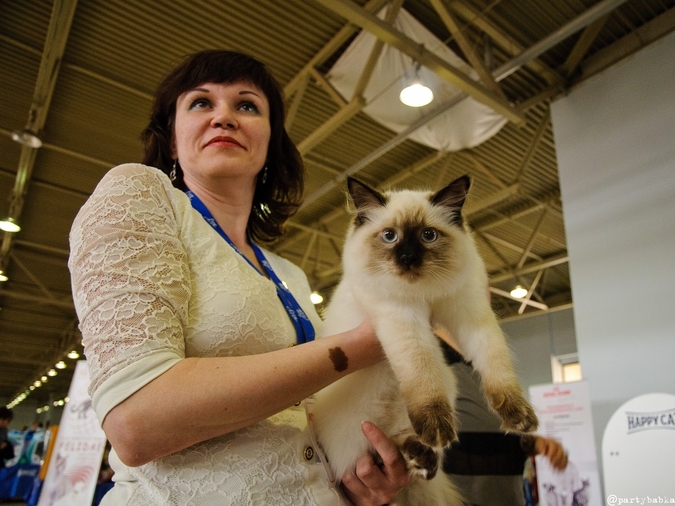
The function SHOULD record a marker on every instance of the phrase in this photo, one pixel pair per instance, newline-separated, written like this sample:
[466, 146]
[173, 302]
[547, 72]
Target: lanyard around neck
[303, 327]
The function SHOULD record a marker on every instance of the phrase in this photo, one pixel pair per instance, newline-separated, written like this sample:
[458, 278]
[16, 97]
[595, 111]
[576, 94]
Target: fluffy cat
[411, 266]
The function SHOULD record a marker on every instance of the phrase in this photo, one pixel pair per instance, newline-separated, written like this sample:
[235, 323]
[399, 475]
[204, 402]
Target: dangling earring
[264, 175]
[172, 174]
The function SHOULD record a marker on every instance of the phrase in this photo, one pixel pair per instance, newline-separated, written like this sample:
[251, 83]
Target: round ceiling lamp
[27, 137]
[518, 292]
[9, 225]
[416, 95]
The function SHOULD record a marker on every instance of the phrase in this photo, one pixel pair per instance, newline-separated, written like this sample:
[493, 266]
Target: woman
[188, 326]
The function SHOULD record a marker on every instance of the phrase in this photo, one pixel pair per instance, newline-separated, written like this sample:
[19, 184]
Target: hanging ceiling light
[518, 292]
[61, 365]
[27, 137]
[3, 277]
[416, 94]
[9, 225]
[73, 354]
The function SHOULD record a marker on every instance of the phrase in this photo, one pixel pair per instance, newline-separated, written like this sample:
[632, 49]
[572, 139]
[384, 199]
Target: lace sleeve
[129, 273]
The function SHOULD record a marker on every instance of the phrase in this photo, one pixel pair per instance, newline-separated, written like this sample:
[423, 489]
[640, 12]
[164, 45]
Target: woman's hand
[370, 484]
[553, 450]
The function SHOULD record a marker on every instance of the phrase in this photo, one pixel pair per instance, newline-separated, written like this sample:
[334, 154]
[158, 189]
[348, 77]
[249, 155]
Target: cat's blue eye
[389, 235]
[429, 235]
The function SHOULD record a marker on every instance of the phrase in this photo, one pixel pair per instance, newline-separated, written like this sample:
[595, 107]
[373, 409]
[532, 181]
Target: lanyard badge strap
[303, 327]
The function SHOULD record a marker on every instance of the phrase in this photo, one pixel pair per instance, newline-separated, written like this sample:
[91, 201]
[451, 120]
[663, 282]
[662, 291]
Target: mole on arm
[338, 358]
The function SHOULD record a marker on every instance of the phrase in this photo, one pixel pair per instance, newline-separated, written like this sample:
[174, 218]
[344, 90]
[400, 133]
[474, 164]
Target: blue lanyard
[303, 327]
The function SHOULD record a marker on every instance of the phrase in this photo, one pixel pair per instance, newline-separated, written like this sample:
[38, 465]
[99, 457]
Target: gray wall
[534, 339]
[615, 140]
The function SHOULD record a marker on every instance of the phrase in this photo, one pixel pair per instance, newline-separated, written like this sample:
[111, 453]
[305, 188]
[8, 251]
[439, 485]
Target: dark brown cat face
[413, 232]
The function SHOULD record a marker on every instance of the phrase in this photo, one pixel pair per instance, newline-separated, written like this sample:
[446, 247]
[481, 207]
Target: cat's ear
[453, 197]
[364, 198]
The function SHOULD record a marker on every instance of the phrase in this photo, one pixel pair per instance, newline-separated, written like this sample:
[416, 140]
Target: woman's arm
[201, 398]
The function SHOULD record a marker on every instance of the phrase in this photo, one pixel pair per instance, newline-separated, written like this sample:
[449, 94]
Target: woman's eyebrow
[249, 92]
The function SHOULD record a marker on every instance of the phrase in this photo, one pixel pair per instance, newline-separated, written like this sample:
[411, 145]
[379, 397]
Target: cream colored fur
[410, 395]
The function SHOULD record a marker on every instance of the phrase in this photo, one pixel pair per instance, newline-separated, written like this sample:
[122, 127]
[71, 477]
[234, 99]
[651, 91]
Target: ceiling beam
[339, 118]
[340, 38]
[629, 44]
[552, 261]
[61, 20]
[374, 155]
[570, 28]
[502, 39]
[506, 294]
[66, 304]
[583, 45]
[359, 16]
[361, 85]
[465, 45]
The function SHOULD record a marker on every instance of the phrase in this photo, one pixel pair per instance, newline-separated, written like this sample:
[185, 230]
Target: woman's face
[221, 131]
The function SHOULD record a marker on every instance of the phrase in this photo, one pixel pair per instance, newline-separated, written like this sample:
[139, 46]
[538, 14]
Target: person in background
[487, 464]
[6, 447]
[199, 341]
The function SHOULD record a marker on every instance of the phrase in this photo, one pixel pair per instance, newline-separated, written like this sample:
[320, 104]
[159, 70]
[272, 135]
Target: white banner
[76, 459]
[564, 411]
[638, 451]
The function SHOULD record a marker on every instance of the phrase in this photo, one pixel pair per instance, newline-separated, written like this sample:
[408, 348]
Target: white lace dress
[154, 283]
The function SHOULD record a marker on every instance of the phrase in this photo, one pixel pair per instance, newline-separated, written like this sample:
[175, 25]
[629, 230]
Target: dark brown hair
[276, 200]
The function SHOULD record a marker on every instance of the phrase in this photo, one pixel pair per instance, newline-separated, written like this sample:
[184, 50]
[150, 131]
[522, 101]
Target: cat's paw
[515, 411]
[434, 423]
[420, 459]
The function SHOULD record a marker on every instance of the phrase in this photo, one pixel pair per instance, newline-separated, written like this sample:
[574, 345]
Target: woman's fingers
[370, 484]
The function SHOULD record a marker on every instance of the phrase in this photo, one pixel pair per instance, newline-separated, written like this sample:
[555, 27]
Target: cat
[411, 266]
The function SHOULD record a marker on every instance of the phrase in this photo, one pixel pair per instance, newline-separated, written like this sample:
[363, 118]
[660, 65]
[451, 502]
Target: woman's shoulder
[129, 184]
[131, 181]
[134, 172]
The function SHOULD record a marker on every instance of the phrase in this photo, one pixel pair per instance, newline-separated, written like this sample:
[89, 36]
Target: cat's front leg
[415, 358]
[514, 410]
[483, 343]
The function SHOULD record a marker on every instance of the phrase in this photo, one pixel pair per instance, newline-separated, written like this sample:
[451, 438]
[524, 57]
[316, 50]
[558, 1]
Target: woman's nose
[223, 117]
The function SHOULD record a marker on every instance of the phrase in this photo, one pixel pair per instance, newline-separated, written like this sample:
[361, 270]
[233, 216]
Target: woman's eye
[429, 235]
[249, 107]
[199, 103]
[389, 235]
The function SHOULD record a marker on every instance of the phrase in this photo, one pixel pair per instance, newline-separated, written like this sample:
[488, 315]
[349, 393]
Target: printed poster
[78, 451]
[564, 411]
